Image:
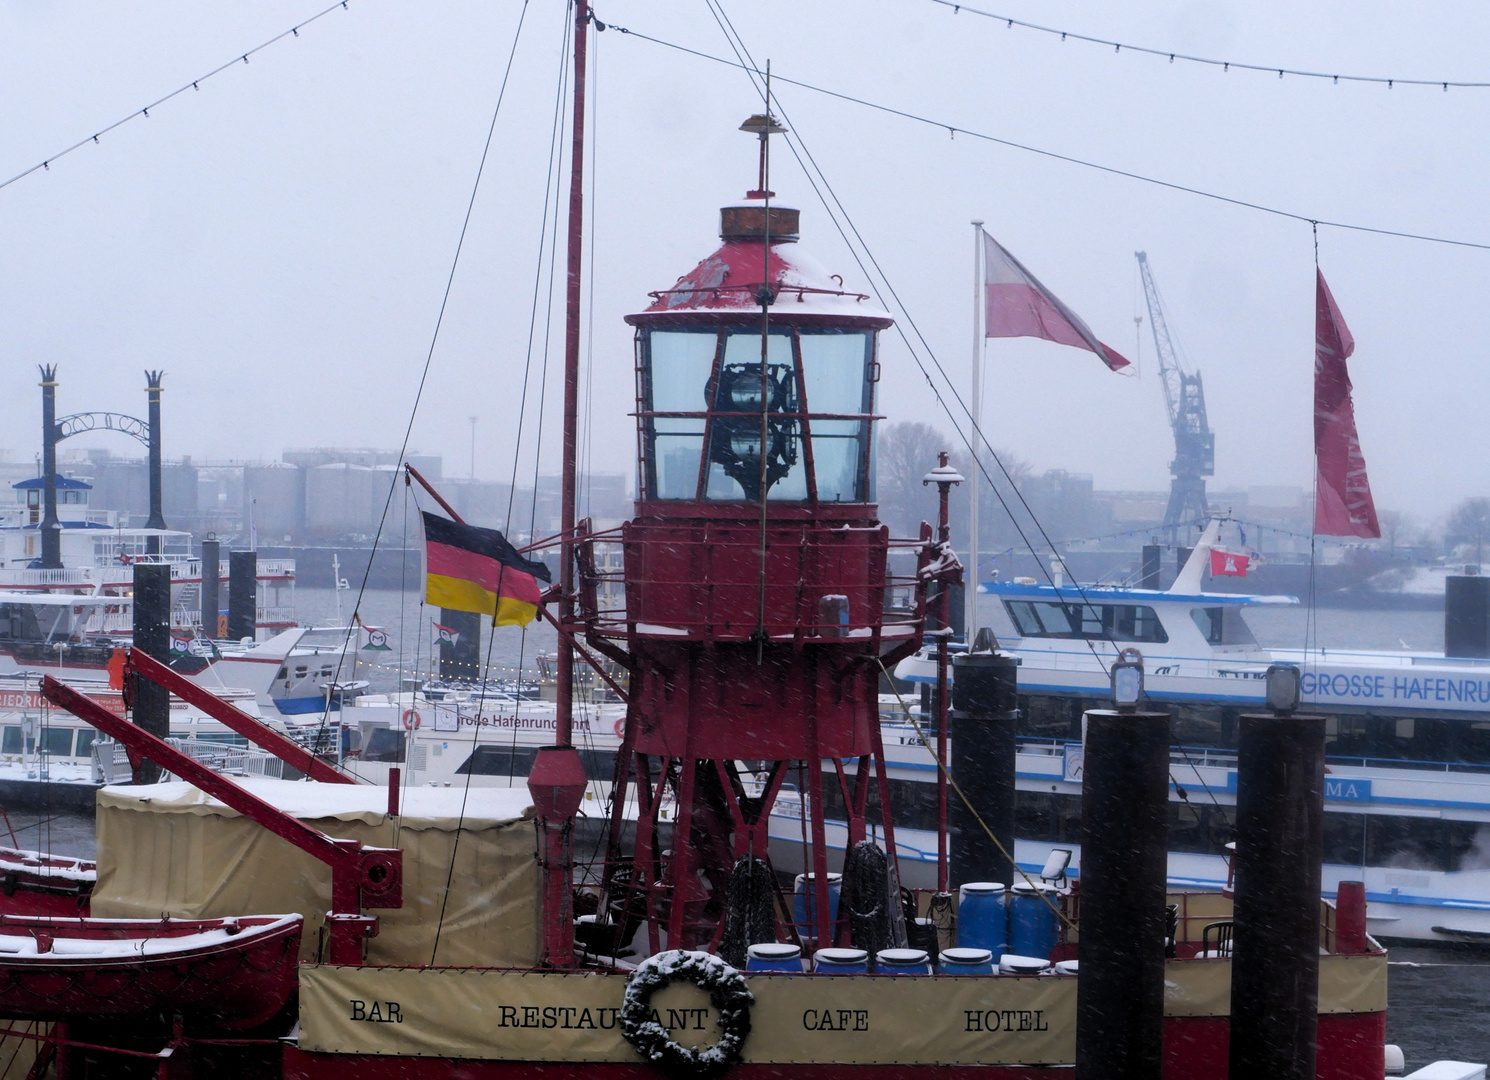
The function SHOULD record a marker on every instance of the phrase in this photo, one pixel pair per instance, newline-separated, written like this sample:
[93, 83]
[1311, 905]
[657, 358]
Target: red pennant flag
[1342, 493]
[1017, 305]
[1228, 563]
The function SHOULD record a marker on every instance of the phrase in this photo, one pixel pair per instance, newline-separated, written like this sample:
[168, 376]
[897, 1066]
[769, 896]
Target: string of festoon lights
[1225, 65]
[143, 112]
[954, 130]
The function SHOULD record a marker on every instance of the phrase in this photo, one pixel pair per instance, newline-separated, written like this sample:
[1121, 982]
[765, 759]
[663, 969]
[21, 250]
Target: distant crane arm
[1169, 364]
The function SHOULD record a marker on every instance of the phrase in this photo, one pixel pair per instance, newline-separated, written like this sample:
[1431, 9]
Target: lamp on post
[945, 477]
[1282, 681]
[1127, 681]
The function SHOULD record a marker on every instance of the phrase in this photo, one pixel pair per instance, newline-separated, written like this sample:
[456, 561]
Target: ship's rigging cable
[971, 809]
[738, 45]
[587, 430]
[1224, 65]
[194, 84]
[954, 130]
[836, 210]
[554, 174]
[428, 356]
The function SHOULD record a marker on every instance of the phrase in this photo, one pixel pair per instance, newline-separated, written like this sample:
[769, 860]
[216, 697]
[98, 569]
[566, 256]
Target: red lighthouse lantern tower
[757, 610]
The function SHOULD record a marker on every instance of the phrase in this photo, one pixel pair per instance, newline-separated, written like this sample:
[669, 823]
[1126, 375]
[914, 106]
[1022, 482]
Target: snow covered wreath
[727, 992]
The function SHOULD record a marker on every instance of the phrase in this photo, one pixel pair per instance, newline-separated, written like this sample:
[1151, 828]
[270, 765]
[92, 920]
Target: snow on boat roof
[58, 599]
[420, 807]
[1106, 594]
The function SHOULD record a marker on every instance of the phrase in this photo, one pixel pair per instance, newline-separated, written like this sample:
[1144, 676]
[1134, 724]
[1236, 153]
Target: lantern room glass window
[700, 395]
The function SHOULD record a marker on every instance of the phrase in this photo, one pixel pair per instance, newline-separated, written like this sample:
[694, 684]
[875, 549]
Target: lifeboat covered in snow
[34, 883]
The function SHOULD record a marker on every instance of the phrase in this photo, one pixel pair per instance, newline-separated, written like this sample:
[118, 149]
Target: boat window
[384, 744]
[10, 740]
[1047, 816]
[914, 802]
[1196, 724]
[1048, 716]
[701, 399]
[1199, 830]
[86, 739]
[834, 365]
[517, 762]
[1096, 622]
[679, 443]
[1223, 626]
[735, 441]
[1028, 619]
[1412, 843]
[57, 741]
[1345, 839]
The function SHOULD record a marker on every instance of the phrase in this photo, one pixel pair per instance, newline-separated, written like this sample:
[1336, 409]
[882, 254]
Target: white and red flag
[1342, 493]
[1017, 305]
[1229, 563]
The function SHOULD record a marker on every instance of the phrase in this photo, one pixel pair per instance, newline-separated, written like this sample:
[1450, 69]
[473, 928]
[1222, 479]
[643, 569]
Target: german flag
[473, 569]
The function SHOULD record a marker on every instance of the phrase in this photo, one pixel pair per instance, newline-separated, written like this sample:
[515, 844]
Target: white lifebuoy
[412, 719]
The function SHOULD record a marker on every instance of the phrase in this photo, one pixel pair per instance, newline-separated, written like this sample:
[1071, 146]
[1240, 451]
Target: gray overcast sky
[279, 240]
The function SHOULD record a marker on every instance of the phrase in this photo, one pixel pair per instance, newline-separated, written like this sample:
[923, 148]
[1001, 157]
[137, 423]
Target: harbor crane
[1194, 442]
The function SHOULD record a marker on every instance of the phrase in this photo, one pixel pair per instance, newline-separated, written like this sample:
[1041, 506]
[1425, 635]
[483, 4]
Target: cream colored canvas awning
[170, 849]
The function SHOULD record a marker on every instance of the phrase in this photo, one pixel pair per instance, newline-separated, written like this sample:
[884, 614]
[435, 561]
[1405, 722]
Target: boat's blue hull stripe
[299, 706]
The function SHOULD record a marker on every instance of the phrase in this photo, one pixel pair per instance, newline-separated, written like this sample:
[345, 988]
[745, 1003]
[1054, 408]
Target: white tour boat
[1407, 788]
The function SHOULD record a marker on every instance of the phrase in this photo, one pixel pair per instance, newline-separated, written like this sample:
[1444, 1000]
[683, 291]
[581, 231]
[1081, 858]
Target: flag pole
[970, 619]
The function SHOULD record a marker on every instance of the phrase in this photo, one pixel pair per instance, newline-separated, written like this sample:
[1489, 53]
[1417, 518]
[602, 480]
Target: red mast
[557, 781]
[565, 668]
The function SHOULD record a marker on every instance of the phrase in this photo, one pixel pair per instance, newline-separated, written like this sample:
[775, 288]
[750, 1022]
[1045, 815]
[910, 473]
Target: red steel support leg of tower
[645, 853]
[822, 921]
[622, 776]
[883, 780]
[680, 869]
[850, 807]
[861, 789]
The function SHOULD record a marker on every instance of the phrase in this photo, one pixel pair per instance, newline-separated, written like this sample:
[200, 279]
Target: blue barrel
[1034, 928]
[965, 962]
[982, 919]
[902, 962]
[774, 958]
[840, 962]
[804, 904]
